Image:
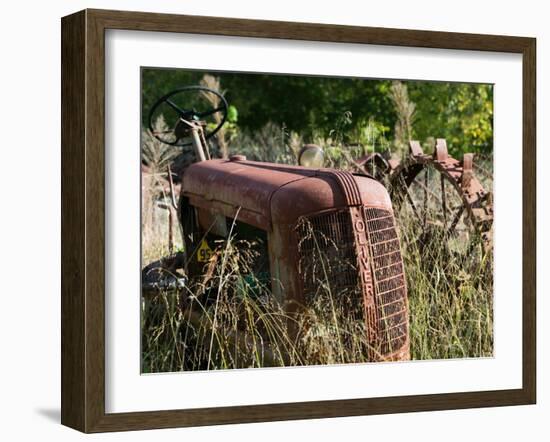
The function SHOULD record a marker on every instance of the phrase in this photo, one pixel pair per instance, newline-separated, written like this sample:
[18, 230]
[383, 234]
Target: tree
[461, 113]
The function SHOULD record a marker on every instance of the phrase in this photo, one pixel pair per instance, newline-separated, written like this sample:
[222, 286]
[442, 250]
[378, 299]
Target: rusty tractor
[299, 215]
[296, 214]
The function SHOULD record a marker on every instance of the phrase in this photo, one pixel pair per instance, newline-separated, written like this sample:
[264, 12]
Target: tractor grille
[327, 255]
[389, 280]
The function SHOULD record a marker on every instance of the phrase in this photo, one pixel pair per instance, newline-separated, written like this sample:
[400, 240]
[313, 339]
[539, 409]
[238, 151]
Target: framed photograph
[266, 221]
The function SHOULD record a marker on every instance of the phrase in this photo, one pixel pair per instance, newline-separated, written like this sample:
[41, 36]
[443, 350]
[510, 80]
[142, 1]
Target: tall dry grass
[155, 199]
[231, 320]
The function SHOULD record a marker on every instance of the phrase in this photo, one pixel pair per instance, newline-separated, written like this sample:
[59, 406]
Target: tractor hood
[266, 193]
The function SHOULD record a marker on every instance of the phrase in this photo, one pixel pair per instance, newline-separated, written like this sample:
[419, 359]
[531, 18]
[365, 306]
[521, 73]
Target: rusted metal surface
[359, 245]
[416, 149]
[224, 185]
[392, 338]
[339, 207]
[440, 154]
[270, 193]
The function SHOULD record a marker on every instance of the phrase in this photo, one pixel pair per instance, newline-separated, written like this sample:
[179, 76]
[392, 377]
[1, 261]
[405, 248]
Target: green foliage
[372, 136]
[316, 106]
[459, 112]
[232, 114]
[306, 105]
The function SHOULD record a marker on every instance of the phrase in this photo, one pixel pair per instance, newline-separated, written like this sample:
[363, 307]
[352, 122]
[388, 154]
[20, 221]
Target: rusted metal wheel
[442, 194]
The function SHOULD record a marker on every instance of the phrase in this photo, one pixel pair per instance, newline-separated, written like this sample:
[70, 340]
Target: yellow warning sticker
[204, 252]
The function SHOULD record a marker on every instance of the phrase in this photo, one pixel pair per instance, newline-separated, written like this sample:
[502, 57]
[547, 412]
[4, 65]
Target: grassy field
[231, 321]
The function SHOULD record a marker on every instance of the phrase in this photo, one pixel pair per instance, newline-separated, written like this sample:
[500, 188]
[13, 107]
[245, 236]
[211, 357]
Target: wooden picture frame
[83, 220]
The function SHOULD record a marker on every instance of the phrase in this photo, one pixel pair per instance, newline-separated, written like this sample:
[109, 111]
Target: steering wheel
[190, 103]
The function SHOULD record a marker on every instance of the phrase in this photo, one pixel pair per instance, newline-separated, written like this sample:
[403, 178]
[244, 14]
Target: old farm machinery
[311, 225]
[439, 191]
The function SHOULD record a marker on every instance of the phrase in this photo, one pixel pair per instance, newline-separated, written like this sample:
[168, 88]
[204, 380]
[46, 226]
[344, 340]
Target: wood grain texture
[83, 219]
[95, 221]
[144, 21]
[73, 129]
[529, 220]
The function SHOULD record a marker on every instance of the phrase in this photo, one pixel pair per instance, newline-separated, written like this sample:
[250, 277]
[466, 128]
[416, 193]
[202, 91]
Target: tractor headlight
[311, 155]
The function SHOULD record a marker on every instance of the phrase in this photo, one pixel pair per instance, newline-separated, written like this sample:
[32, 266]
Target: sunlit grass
[230, 320]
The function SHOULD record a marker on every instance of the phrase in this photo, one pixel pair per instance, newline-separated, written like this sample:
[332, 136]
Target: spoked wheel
[441, 196]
